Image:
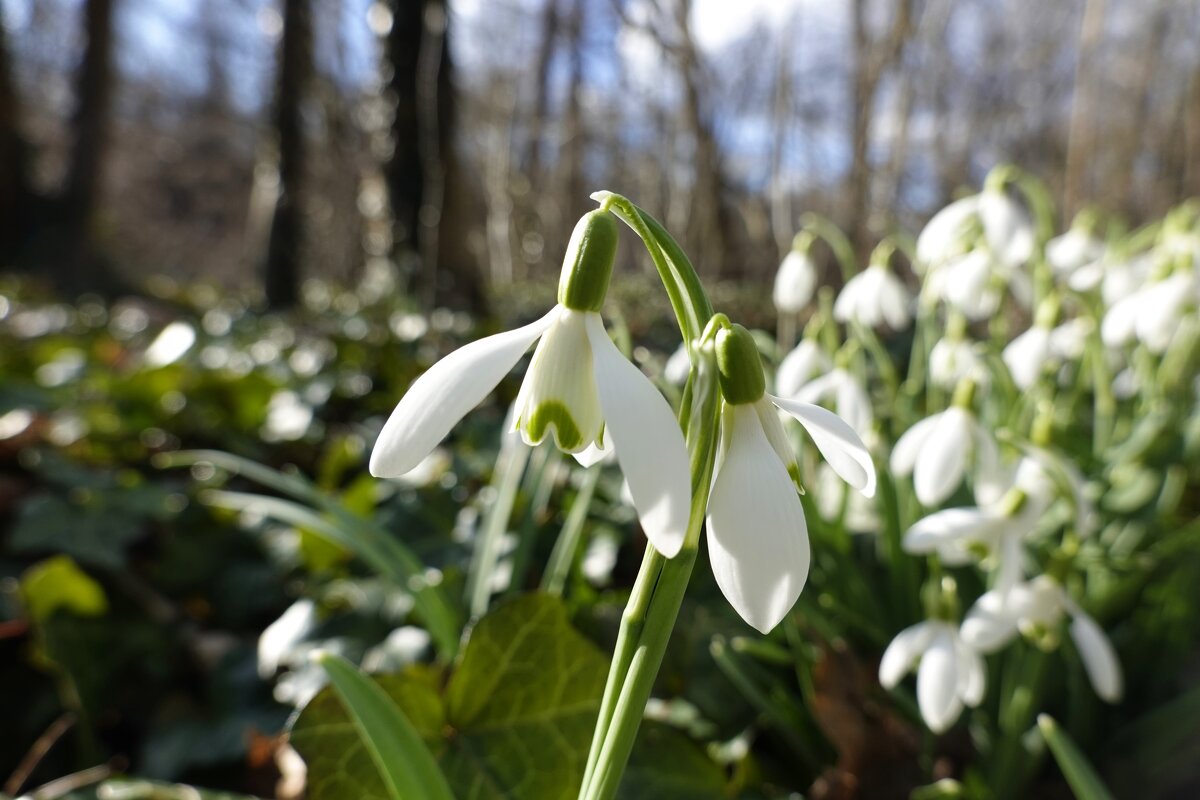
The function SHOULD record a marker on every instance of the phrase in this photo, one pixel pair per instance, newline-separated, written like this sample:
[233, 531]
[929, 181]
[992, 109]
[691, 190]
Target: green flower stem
[688, 300]
[658, 592]
[837, 241]
[563, 554]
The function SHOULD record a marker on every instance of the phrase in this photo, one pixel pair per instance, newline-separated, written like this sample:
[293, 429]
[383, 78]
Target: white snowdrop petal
[1026, 356]
[438, 399]
[937, 682]
[837, 441]
[757, 534]
[794, 283]
[939, 238]
[647, 440]
[1098, 656]
[942, 462]
[799, 366]
[594, 453]
[934, 532]
[972, 675]
[989, 624]
[910, 444]
[903, 651]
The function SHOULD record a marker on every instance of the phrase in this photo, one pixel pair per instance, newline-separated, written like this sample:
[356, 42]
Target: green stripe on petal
[554, 415]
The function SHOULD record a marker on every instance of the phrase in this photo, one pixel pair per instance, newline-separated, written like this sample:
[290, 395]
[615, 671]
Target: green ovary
[554, 414]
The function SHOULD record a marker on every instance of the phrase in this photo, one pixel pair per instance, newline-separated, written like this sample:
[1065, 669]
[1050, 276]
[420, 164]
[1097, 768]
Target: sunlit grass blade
[1075, 767]
[405, 763]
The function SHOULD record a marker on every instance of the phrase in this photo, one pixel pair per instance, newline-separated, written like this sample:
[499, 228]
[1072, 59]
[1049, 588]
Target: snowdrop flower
[944, 236]
[796, 279]
[1074, 250]
[950, 674]
[1035, 609]
[805, 362]
[757, 534]
[952, 360]
[1028, 356]
[873, 297]
[955, 358]
[938, 449]
[1150, 315]
[1006, 227]
[579, 389]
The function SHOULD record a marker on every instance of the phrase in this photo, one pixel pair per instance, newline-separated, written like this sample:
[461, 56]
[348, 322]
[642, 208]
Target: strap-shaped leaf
[405, 763]
[1075, 767]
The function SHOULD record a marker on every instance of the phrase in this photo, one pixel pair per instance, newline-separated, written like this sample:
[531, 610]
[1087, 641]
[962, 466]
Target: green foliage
[513, 721]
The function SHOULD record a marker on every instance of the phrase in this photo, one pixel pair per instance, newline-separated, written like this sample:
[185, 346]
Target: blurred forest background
[253, 143]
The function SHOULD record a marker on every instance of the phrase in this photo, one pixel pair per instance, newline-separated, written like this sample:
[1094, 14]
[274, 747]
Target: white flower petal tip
[594, 454]
[902, 653]
[837, 441]
[938, 683]
[649, 445]
[757, 534]
[439, 398]
[1099, 658]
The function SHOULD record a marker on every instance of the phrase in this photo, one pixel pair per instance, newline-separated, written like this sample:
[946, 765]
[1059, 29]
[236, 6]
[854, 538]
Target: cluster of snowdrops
[1015, 370]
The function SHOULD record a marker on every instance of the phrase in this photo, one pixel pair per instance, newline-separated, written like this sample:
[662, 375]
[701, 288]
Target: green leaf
[515, 720]
[1075, 767]
[408, 769]
[58, 584]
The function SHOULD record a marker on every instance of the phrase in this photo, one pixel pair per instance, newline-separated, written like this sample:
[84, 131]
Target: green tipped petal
[559, 393]
[553, 414]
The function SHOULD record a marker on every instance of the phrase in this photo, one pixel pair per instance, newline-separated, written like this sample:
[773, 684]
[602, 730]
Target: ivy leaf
[514, 720]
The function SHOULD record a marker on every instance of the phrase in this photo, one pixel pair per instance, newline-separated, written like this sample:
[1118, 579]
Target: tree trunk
[16, 195]
[424, 174]
[282, 274]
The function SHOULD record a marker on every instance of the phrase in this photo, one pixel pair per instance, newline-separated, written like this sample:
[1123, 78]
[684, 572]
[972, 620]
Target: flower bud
[588, 263]
[739, 366]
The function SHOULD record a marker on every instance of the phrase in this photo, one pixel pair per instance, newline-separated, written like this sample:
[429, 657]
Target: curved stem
[837, 241]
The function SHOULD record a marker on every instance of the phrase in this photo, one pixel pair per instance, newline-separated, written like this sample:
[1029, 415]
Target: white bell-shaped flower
[1006, 227]
[1072, 251]
[953, 360]
[938, 450]
[579, 389]
[944, 236]
[795, 282]
[873, 297]
[1151, 315]
[950, 674]
[1028, 356]
[804, 363]
[757, 534]
[1035, 609]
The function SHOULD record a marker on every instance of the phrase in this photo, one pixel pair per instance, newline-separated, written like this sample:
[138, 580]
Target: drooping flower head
[579, 390]
[757, 534]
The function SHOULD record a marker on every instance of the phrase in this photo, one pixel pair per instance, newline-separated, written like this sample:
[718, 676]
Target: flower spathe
[950, 674]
